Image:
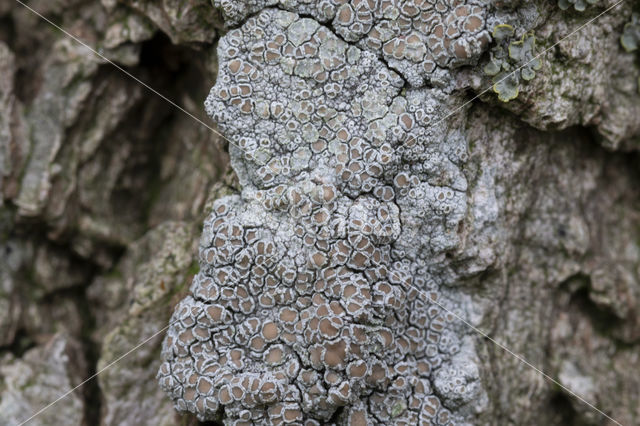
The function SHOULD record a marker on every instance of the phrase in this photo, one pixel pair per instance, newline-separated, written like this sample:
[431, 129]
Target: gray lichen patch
[315, 282]
[420, 39]
[458, 383]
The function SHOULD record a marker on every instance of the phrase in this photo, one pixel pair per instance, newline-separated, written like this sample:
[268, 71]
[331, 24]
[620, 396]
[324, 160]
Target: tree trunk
[354, 212]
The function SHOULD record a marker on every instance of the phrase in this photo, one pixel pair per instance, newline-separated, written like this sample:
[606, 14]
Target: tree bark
[385, 208]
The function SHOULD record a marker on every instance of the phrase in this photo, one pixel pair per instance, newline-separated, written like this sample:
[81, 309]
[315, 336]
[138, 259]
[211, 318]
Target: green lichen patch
[578, 5]
[398, 409]
[503, 32]
[507, 87]
[630, 38]
[511, 62]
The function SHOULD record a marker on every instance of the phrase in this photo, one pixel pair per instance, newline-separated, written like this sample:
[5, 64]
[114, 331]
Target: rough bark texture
[360, 189]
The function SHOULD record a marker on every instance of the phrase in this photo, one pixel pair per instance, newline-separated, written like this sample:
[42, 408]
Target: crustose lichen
[307, 296]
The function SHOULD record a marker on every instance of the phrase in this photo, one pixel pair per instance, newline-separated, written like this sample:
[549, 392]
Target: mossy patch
[194, 268]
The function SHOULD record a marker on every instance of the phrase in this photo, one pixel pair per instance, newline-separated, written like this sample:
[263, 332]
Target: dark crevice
[7, 30]
[91, 390]
[603, 321]
[337, 416]
[210, 423]
[21, 343]
[561, 411]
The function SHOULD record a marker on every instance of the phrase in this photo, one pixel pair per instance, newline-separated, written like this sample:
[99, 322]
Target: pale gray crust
[312, 292]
